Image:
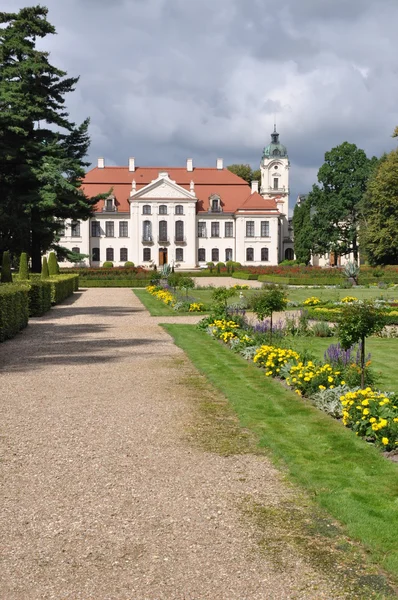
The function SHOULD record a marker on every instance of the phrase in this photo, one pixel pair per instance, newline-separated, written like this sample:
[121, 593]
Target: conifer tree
[6, 276]
[23, 266]
[44, 269]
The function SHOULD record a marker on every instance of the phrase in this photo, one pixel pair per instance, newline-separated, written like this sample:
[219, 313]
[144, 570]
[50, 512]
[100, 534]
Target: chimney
[220, 165]
[189, 164]
[101, 163]
[254, 186]
[132, 163]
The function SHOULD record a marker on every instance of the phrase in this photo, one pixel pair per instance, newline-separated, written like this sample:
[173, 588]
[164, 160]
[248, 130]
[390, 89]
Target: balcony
[147, 239]
[180, 240]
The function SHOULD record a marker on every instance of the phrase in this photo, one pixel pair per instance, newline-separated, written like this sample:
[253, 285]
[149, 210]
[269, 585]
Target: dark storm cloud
[166, 79]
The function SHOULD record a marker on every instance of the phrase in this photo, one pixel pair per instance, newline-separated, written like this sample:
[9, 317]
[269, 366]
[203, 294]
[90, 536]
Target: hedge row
[39, 297]
[320, 314]
[246, 276]
[136, 283]
[63, 286]
[14, 309]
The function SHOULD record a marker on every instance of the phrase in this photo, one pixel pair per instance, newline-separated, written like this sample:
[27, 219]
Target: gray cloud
[166, 79]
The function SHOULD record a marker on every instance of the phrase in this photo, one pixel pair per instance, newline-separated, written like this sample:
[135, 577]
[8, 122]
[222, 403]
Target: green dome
[275, 148]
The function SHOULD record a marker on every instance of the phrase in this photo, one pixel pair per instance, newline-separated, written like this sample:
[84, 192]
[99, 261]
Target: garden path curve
[103, 495]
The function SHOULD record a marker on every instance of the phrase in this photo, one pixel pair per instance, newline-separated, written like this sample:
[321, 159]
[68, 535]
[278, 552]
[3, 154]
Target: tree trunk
[363, 363]
[355, 249]
[35, 253]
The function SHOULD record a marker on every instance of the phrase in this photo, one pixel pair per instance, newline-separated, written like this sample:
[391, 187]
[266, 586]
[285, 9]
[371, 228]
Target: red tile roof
[234, 192]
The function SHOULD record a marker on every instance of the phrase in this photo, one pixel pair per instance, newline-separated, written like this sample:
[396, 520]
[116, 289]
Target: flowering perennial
[349, 299]
[372, 415]
[273, 358]
[161, 294]
[196, 307]
[312, 301]
[309, 378]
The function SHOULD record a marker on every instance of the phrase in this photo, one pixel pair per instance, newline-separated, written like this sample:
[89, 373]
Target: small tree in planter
[357, 322]
[267, 301]
[6, 276]
[210, 266]
[23, 266]
[186, 283]
[220, 296]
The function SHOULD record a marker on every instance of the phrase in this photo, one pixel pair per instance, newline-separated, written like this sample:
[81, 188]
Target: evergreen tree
[302, 229]
[6, 276]
[343, 179]
[245, 172]
[379, 226]
[44, 269]
[52, 264]
[41, 151]
[23, 266]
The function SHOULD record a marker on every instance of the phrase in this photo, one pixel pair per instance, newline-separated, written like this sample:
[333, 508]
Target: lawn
[346, 476]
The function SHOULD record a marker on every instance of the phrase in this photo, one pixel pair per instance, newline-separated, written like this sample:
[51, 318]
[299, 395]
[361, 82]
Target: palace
[186, 216]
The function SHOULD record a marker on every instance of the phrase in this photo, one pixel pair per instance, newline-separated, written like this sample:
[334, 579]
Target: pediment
[162, 187]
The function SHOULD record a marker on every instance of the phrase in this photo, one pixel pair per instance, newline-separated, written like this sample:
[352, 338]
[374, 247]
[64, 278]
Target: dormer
[109, 204]
[215, 203]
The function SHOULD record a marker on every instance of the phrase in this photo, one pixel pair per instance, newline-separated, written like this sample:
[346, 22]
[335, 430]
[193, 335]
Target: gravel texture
[103, 496]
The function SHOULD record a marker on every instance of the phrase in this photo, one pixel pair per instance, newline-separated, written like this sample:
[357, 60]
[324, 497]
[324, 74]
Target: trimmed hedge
[39, 297]
[63, 286]
[136, 283]
[273, 279]
[322, 314]
[14, 309]
[246, 276]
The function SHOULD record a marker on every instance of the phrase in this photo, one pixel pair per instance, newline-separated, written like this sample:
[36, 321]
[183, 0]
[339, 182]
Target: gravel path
[103, 496]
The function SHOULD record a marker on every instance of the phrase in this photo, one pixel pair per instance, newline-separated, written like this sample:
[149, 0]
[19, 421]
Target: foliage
[336, 200]
[14, 309]
[112, 273]
[39, 297]
[351, 270]
[267, 301]
[23, 266]
[128, 264]
[328, 400]
[303, 232]
[210, 266]
[379, 214]
[74, 257]
[373, 415]
[63, 286]
[6, 276]
[245, 172]
[44, 269]
[312, 301]
[321, 329]
[221, 295]
[42, 152]
[186, 284]
[108, 264]
[53, 268]
[273, 359]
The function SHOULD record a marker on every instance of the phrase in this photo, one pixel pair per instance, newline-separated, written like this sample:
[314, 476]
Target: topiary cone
[44, 269]
[23, 266]
[52, 264]
[6, 276]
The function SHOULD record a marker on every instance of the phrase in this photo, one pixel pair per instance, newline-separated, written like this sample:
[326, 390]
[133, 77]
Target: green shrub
[63, 286]
[219, 266]
[274, 279]
[44, 269]
[108, 264]
[39, 297]
[115, 283]
[210, 266]
[23, 267]
[14, 309]
[6, 276]
[244, 275]
[129, 264]
[53, 268]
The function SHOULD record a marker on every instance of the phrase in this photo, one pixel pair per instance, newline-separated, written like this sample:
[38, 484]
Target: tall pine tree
[41, 151]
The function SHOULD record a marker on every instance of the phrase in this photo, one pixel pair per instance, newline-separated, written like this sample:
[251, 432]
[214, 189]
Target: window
[276, 183]
[229, 230]
[146, 209]
[95, 229]
[201, 255]
[228, 254]
[95, 255]
[109, 229]
[110, 254]
[179, 254]
[179, 210]
[215, 255]
[76, 250]
[147, 254]
[162, 231]
[147, 231]
[75, 226]
[123, 254]
[61, 230]
[215, 229]
[123, 229]
[264, 228]
[179, 231]
[163, 209]
[202, 230]
[249, 254]
[249, 228]
[215, 203]
[264, 254]
[109, 204]
[289, 254]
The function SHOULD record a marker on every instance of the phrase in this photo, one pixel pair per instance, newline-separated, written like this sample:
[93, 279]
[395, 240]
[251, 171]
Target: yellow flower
[384, 441]
[322, 387]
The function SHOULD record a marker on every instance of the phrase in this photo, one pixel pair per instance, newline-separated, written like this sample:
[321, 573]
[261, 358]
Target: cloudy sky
[164, 80]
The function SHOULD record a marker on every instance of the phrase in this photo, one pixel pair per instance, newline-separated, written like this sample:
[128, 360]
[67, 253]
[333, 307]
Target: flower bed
[169, 299]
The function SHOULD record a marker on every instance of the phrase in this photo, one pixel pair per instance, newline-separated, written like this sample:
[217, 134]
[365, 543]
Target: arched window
[146, 209]
[163, 209]
[147, 254]
[264, 254]
[228, 254]
[249, 254]
[179, 254]
[110, 254]
[123, 254]
[147, 231]
[163, 231]
[76, 250]
[179, 231]
[289, 254]
[95, 255]
[215, 255]
[179, 210]
[201, 255]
